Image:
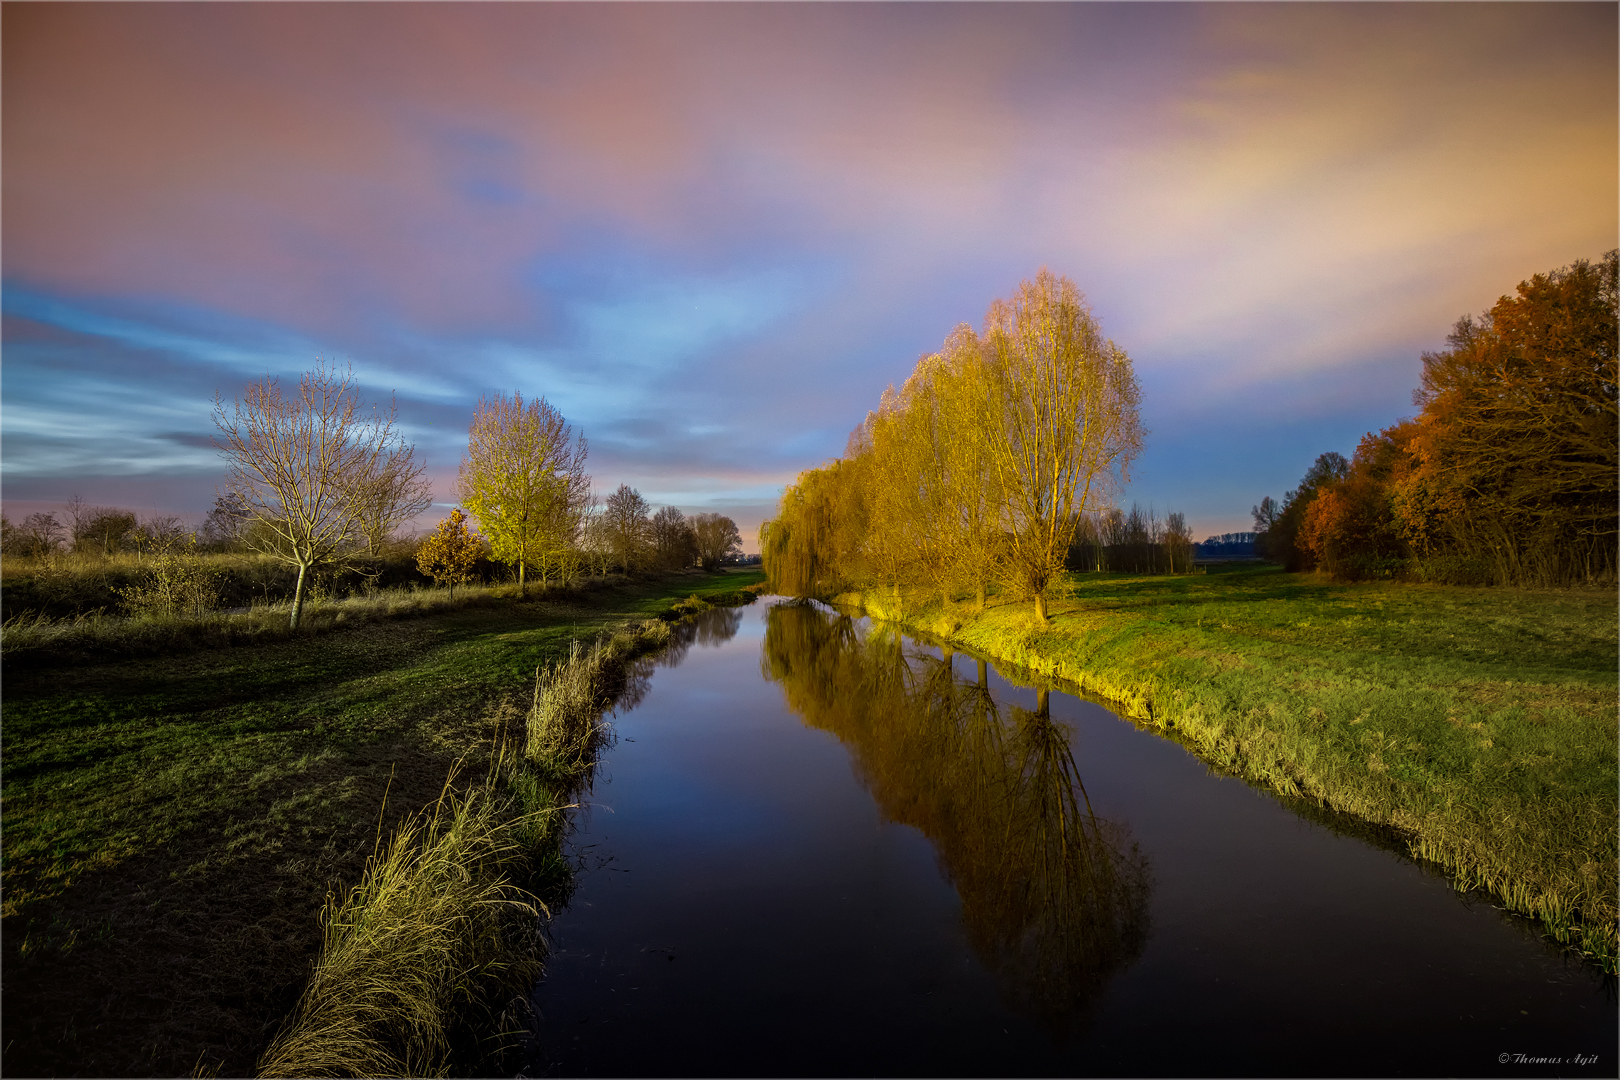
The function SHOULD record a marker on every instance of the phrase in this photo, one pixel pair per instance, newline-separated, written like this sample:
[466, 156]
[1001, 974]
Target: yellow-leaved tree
[449, 554]
[524, 479]
[1059, 424]
[977, 468]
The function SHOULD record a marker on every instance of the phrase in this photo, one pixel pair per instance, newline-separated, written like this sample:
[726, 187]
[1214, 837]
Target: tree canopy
[714, 537]
[450, 552]
[979, 466]
[523, 478]
[1509, 472]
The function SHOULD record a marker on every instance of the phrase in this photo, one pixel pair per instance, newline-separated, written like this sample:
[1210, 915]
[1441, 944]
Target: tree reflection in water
[1054, 899]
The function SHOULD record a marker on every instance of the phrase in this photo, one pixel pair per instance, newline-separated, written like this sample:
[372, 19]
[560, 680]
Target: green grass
[173, 824]
[1479, 724]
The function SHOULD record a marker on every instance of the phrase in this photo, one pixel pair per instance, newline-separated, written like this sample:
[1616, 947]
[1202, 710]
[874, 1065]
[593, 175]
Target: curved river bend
[822, 849]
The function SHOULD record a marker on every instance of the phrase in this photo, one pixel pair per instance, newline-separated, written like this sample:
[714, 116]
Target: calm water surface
[822, 849]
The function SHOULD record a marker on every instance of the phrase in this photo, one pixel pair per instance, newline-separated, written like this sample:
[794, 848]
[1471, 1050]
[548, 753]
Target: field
[1478, 725]
[174, 821]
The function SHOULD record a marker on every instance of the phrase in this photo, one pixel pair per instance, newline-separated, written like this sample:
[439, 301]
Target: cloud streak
[712, 234]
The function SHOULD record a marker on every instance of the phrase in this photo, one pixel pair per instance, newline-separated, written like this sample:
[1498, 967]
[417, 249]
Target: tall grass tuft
[435, 928]
[565, 728]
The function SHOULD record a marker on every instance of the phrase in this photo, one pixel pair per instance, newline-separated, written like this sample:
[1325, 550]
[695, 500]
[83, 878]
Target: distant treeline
[1134, 543]
[1507, 476]
[1238, 545]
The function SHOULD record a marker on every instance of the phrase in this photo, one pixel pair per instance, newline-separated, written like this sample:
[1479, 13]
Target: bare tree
[673, 539]
[227, 523]
[716, 536]
[596, 538]
[628, 527]
[307, 465]
[393, 497]
[104, 528]
[157, 534]
[78, 513]
[1178, 542]
[37, 535]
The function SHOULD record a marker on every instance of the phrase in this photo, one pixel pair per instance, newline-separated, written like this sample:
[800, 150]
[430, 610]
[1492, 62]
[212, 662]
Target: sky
[711, 235]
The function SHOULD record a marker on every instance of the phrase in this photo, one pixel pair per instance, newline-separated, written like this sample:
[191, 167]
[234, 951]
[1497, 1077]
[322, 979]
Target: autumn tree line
[319, 483]
[980, 471]
[1506, 476]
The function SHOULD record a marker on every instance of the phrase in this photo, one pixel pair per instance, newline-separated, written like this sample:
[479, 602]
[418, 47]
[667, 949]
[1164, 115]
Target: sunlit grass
[565, 728]
[1481, 724]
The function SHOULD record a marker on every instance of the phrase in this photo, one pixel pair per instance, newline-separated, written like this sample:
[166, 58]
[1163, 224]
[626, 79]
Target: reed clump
[436, 929]
[565, 726]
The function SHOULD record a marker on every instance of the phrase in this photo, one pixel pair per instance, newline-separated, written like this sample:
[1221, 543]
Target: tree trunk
[981, 594]
[1043, 707]
[1040, 608]
[984, 682]
[523, 584]
[298, 595]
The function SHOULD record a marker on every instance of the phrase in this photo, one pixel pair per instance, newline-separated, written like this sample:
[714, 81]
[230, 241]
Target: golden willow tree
[524, 479]
[978, 467]
[1060, 424]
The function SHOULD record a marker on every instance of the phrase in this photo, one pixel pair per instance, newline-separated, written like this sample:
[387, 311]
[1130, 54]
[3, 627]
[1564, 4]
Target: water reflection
[1054, 899]
[712, 627]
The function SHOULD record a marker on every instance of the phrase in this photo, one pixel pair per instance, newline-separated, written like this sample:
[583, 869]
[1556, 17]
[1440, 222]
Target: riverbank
[1480, 724]
[174, 824]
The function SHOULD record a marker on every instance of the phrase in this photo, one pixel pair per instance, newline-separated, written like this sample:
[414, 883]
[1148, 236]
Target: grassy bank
[1480, 724]
[422, 962]
[173, 825]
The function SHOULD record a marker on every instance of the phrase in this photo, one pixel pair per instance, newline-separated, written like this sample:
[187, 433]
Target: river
[820, 848]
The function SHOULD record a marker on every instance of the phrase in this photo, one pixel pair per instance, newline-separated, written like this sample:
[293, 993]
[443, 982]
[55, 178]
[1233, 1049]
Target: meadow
[1478, 726]
[181, 805]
